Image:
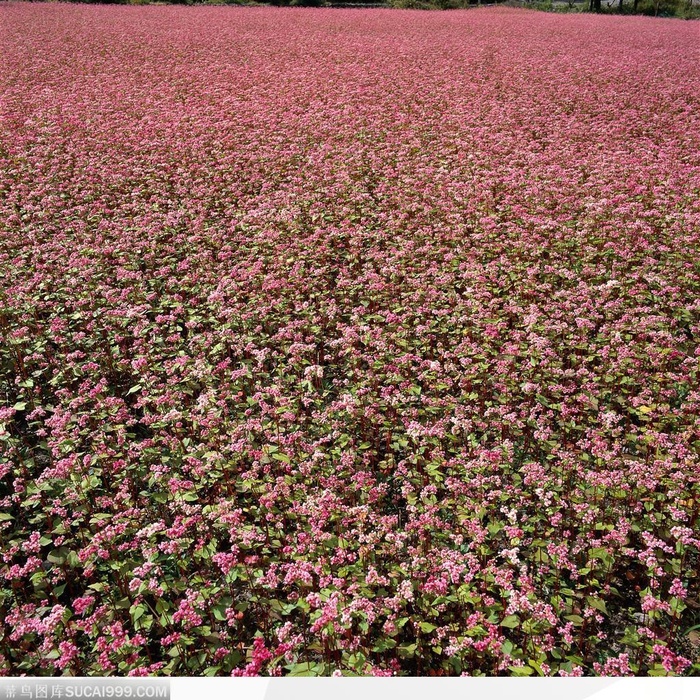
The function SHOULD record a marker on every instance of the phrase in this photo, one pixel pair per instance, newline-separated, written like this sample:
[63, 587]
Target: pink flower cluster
[348, 342]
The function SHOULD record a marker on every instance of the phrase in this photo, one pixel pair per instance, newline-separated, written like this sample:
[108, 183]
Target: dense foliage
[348, 342]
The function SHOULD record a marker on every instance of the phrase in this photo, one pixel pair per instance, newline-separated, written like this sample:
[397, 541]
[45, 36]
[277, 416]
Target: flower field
[348, 342]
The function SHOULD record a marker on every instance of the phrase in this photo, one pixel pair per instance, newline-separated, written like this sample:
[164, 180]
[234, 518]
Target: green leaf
[427, 627]
[536, 666]
[407, 650]
[521, 670]
[512, 621]
[58, 556]
[306, 669]
[219, 613]
[384, 645]
[597, 604]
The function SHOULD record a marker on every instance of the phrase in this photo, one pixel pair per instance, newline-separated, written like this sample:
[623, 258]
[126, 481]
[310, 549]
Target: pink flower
[82, 605]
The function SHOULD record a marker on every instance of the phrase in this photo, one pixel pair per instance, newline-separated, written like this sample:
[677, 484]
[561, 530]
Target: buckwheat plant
[348, 342]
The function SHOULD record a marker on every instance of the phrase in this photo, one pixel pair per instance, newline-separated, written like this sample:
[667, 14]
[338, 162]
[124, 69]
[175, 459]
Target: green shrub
[662, 8]
[411, 5]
